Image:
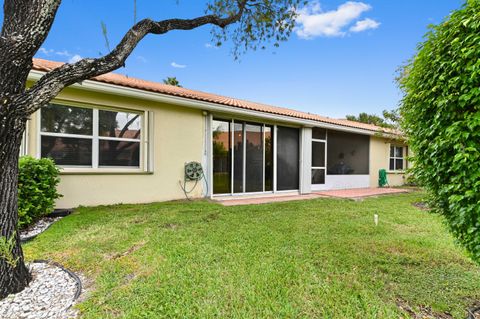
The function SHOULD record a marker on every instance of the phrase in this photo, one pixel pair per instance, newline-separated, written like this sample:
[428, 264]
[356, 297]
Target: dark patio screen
[287, 158]
[347, 153]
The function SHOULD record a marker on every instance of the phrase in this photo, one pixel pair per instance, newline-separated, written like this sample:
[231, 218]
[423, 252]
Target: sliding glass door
[249, 148]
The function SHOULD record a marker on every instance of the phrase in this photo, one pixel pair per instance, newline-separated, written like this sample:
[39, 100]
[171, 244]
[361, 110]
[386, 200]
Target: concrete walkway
[339, 193]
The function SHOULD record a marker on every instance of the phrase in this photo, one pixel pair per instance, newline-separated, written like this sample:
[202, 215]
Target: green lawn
[319, 258]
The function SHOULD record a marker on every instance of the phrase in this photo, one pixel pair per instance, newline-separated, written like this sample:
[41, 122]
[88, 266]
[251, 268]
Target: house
[124, 140]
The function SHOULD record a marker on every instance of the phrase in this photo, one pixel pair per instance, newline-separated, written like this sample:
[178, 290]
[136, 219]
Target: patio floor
[355, 193]
[361, 192]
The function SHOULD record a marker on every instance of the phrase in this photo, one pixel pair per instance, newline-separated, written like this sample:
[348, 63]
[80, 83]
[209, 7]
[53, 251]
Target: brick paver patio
[361, 192]
[338, 193]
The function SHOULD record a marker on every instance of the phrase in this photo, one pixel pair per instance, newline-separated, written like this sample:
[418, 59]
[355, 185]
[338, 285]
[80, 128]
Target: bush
[441, 117]
[37, 189]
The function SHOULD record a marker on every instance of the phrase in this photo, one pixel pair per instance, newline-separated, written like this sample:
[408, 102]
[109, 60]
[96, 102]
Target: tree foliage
[172, 80]
[441, 117]
[262, 21]
[390, 119]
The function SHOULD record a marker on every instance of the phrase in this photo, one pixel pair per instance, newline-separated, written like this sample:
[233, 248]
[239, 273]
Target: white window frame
[395, 158]
[145, 160]
[324, 167]
[24, 144]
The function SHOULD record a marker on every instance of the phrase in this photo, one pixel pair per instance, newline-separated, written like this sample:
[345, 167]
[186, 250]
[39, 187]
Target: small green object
[382, 177]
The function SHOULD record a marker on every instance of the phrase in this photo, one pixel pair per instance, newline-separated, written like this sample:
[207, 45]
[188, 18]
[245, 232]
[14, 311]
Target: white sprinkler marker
[375, 219]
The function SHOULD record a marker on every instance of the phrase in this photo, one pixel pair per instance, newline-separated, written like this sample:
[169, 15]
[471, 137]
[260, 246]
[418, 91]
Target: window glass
[238, 157]
[399, 152]
[287, 158]
[221, 157]
[254, 158]
[67, 151]
[268, 158]
[318, 176]
[119, 153]
[347, 153]
[319, 133]
[399, 164]
[66, 119]
[119, 124]
[392, 164]
[318, 154]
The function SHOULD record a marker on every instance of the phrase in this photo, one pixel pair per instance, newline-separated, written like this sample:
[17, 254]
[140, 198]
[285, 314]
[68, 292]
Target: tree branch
[126, 126]
[54, 81]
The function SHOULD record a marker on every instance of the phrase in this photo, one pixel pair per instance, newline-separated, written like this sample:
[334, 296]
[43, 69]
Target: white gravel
[39, 227]
[49, 295]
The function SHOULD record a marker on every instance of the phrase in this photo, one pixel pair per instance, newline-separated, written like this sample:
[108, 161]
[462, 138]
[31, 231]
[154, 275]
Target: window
[396, 158]
[88, 137]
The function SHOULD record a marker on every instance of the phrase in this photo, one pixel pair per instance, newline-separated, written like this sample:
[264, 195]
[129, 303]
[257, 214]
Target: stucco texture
[379, 159]
[178, 137]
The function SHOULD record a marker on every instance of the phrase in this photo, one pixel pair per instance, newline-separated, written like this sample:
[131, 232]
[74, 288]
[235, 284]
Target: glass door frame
[232, 123]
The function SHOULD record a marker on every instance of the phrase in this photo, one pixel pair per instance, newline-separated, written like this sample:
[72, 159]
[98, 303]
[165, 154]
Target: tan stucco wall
[178, 137]
[379, 159]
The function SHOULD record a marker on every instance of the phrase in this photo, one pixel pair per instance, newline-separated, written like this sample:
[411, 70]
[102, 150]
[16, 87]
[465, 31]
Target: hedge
[441, 118]
[37, 189]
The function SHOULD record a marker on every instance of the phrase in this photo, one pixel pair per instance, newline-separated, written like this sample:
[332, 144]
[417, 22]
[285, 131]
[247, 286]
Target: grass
[320, 258]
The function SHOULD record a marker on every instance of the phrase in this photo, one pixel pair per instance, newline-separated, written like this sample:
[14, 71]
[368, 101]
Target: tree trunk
[14, 277]
[25, 27]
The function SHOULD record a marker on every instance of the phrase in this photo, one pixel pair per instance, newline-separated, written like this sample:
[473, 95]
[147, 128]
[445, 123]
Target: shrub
[37, 189]
[441, 117]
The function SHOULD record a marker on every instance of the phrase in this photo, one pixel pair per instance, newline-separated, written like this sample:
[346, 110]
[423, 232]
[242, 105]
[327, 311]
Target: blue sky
[342, 60]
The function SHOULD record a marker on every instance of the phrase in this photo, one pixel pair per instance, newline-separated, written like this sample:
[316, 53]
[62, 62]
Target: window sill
[100, 171]
[396, 172]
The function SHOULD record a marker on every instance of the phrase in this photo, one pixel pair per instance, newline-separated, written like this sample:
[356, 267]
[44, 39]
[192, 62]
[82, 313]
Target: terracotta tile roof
[121, 80]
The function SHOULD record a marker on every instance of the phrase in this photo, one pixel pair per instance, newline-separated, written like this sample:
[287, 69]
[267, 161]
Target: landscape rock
[50, 294]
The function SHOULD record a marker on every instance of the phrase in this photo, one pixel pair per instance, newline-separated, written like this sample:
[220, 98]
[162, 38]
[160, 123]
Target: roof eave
[102, 87]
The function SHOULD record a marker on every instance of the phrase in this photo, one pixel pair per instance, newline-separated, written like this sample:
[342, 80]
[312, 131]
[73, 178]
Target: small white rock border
[54, 216]
[69, 272]
[15, 304]
[24, 239]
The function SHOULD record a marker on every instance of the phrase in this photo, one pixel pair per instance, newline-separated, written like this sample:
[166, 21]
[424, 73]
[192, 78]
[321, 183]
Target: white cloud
[313, 21]
[178, 66]
[365, 24]
[211, 46]
[141, 59]
[45, 51]
[63, 53]
[75, 58]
